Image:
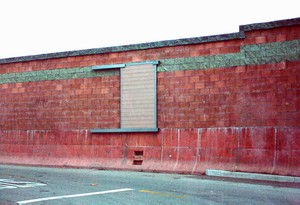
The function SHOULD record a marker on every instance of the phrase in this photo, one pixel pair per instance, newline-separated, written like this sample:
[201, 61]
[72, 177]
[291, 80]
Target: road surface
[37, 186]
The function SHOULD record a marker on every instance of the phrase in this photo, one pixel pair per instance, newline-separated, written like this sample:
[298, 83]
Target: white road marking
[12, 184]
[73, 196]
[7, 187]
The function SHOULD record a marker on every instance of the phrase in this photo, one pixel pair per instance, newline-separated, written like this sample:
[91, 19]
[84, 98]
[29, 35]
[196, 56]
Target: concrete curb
[244, 175]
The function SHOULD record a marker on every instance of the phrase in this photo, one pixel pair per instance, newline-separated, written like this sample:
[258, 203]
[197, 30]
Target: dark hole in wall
[137, 162]
[138, 153]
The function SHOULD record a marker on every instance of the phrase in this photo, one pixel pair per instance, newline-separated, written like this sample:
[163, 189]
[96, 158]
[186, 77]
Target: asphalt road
[36, 186]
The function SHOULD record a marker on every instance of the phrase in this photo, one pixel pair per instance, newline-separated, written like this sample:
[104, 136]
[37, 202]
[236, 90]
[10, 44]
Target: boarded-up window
[138, 96]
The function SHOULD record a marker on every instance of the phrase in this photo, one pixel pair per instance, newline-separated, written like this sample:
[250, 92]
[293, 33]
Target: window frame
[123, 66]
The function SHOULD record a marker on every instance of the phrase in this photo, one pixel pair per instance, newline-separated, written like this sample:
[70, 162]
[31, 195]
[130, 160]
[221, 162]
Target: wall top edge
[157, 44]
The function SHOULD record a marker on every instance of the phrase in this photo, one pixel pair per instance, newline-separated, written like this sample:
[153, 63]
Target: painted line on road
[160, 193]
[7, 187]
[12, 184]
[74, 196]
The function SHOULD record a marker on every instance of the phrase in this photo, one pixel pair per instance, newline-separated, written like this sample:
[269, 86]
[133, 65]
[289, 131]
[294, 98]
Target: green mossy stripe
[55, 74]
[249, 55]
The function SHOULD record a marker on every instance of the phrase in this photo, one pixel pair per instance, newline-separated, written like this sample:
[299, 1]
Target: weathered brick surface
[277, 35]
[227, 104]
[258, 95]
[262, 150]
[61, 104]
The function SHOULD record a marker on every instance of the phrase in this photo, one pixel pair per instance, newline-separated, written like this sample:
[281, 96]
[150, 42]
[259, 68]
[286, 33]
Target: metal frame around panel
[112, 66]
[122, 66]
[123, 130]
[142, 63]
[121, 86]
[155, 93]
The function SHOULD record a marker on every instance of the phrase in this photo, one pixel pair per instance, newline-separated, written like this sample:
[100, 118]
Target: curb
[244, 175]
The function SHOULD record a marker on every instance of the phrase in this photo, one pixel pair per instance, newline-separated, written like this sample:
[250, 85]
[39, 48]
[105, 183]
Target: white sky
[29, 27]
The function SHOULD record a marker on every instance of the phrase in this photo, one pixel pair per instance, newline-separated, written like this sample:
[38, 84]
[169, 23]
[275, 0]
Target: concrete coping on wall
[158, 44]
[252, 176]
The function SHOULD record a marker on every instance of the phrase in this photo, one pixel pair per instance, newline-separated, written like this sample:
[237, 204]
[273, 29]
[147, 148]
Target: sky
[30, 27]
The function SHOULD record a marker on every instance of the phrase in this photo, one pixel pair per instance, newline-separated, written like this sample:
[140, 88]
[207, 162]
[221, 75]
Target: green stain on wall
[55, 74]
[249, 55]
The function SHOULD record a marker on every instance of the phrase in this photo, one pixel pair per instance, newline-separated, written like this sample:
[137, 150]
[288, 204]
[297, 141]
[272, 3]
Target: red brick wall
[258, 95]
[61, 104]
[243, 118]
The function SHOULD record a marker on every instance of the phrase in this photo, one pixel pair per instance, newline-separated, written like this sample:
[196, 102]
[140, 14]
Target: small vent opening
[138, 153]
[137, 162]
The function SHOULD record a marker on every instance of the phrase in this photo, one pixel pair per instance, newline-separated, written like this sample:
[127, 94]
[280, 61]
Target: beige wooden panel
[138, 96]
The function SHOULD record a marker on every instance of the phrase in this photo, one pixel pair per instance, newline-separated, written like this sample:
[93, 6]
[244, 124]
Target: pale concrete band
[243, 175]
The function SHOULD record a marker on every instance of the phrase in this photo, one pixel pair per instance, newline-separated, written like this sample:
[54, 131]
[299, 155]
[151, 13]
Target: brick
[208, 45]
[179, 73]
[202, 52]
[260, 39]
[214, 91]
[220, 84]
[214, 77]
[199, 85]
[194, 79]
[249, 40]
[231, 49]
[214, 51]
[240, 69]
